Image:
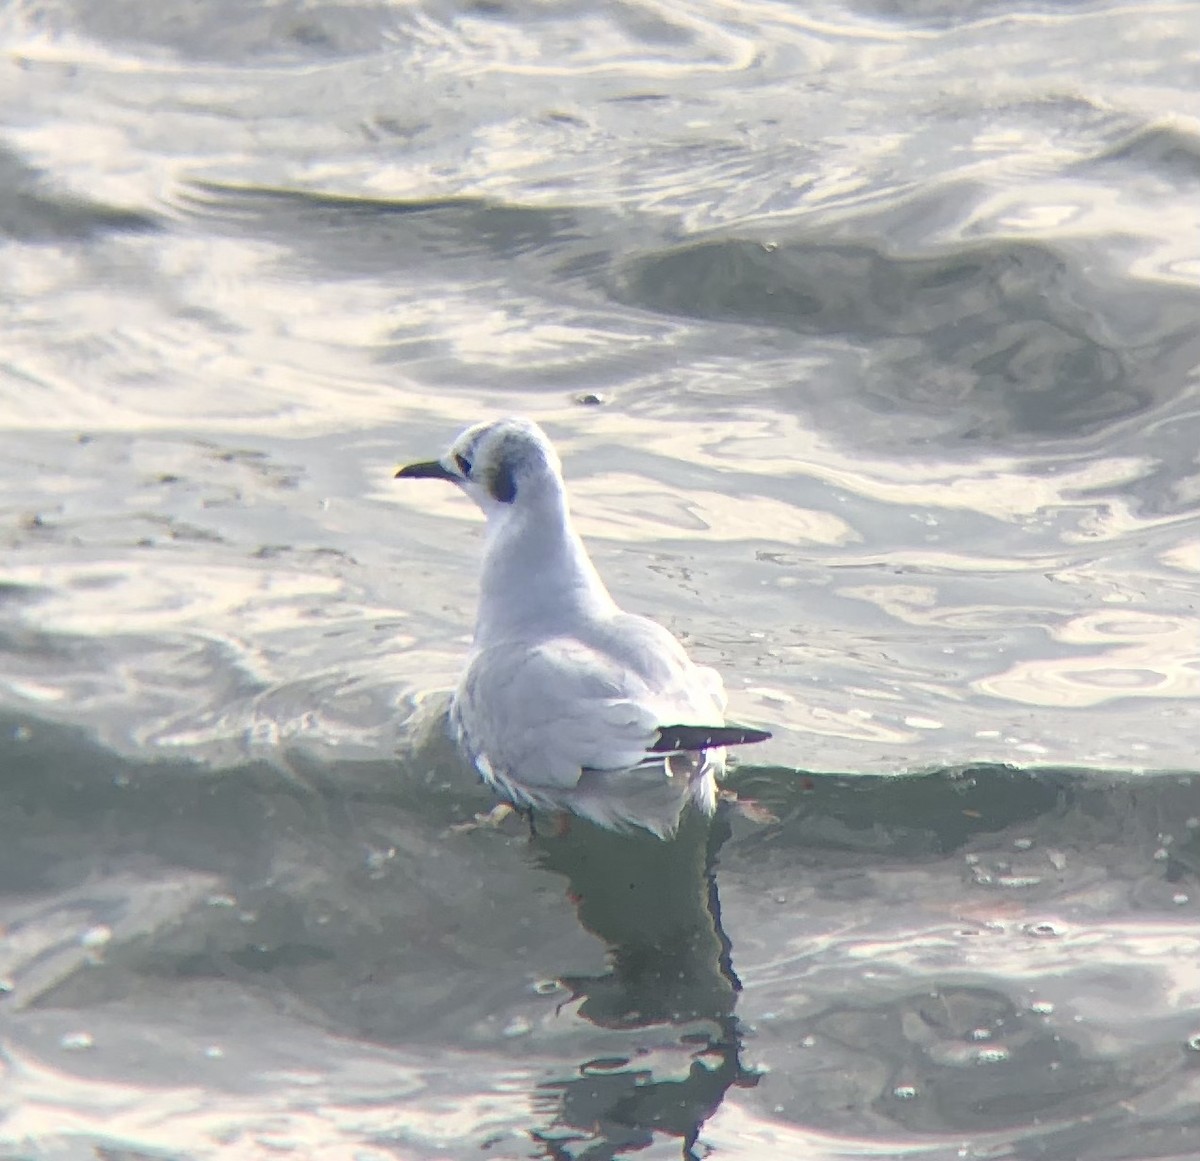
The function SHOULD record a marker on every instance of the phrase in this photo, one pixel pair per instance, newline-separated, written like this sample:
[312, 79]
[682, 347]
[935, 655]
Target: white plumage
[566, 702]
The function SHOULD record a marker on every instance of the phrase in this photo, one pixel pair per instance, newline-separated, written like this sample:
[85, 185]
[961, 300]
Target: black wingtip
[672, 739]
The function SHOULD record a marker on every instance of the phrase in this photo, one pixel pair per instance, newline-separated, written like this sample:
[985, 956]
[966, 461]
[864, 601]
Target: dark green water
[977, 962]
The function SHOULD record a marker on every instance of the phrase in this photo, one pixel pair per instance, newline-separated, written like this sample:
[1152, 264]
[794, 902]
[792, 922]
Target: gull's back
[548, 706]
[567, 720]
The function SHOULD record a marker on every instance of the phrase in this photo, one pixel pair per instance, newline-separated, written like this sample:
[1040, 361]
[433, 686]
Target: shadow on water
[355, 236]
[889, 933]
[1002, 342]
[31, 212]
[1023, 338]
[657, 908]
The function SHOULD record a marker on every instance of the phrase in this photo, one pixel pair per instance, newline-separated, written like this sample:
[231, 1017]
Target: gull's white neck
[537, 577]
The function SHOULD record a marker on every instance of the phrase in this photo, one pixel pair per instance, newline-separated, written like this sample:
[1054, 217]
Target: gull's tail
[672, 739]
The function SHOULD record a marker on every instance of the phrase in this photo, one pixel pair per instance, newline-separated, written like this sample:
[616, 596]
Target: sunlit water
[869, 336]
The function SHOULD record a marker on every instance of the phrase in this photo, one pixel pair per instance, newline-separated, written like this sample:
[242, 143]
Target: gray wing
[646, 647]
[546, 713]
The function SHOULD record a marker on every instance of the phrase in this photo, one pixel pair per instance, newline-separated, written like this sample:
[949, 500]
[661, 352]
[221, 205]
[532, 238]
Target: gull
[566, 702]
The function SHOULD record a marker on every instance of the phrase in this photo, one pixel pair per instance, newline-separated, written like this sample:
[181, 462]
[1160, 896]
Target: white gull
[566, 701]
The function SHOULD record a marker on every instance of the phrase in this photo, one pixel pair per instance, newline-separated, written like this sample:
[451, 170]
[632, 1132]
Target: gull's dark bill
[429, 470]
[675, 738]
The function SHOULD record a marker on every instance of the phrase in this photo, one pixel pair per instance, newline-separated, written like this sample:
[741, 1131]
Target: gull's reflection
[655, 905]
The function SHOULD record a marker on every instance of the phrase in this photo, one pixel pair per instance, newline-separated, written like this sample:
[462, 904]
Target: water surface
[868, 335]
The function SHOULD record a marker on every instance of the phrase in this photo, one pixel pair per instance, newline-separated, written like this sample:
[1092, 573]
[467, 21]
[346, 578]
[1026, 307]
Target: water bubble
[214, 1052]
[1043, 930]
[96, 936]
[905, 1092]
[1179, 898]
[808, 1041]
[995, 1055]
[1041, 1007]
[377, 859]
[1193, 1042]
[981, 1033]
[1022, 844]
[546, 987]
[1161, 855]
[604, 1064]
[517, 1026]
[76, 1041]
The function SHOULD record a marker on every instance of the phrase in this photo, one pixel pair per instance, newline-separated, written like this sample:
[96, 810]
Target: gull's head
[499, 465]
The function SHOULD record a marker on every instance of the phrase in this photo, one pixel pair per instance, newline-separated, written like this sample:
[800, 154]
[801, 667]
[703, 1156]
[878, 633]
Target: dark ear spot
[503, 483]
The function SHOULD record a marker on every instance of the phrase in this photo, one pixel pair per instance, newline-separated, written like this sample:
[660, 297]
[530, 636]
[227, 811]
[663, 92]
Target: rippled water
[869, 335]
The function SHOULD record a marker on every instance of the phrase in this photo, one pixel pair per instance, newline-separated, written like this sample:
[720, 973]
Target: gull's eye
[464, 465]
